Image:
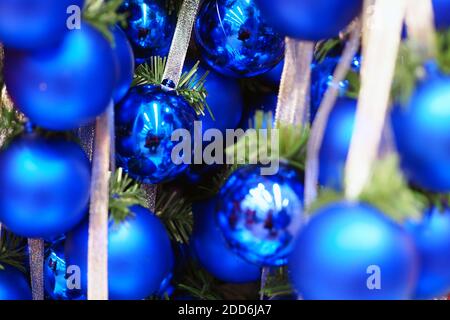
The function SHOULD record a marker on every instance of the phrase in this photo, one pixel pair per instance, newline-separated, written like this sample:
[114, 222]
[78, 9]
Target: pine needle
[12, 251]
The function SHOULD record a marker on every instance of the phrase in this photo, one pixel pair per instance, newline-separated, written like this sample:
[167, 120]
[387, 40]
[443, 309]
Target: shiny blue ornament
[212, 250]
[235, 40]
[45, 186]
[13, 284]
[340, 253]
[311, 20]
[150, 27]
[55, 279]
[145, 120]
[336, 143]
[442, 14]
[422, 135]
[432, 238]
[124, 59]
[322, 77]
[139, 255]
[66, 86]
[260, 215]
[30, 25]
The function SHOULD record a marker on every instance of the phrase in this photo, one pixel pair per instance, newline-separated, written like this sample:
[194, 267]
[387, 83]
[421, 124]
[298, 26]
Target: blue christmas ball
[45, 186]
[322, 74]
[212, 250]
[312, 20]
[139, 255]
[260, 215]
[55, 277]
[441, 13]
[273, 76]
[422, 134]
[150, 27]
[124, 59]
[13, 284]
[66, 86]
[235, 40]
[30, 25]
[224, 99]
[432, 238]
[336, 143]
[145, 120]
[351, 251]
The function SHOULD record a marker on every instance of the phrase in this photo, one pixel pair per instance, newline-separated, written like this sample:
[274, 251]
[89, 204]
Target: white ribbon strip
[98, 214]
[383, 35]
[181, 39]
[293, 98]
[420, 24]
[326, 106]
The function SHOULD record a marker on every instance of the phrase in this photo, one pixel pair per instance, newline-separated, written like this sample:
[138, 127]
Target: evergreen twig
[124, 193]
[443, 55]
[12, 251]
[278, 284]
[190, 86]
[199, 283]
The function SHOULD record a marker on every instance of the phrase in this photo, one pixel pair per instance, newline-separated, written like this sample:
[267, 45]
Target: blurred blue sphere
[150, 27]
[260, 215]
[432, 238]
[311, 20]
[66, 86]
[336, 143]
[322, 74]
[140, 256]
[235, 40]
[212, 250]
[422, 134]
[442, 13]
[145, 120]
[343, 245]
[45, 186]
[31, 25]
[13, 284]
[124, 58]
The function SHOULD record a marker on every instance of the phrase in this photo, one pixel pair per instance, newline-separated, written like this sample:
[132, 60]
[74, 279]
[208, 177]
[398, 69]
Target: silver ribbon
[293, 97]
[326, 106]
[420, 24]
[36, 258]
[382, 30]
[98, 213]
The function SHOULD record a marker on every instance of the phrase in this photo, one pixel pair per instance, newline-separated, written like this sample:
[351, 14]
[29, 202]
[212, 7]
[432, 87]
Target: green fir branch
[190, 86]
[11, 124]
[387, 190]
[12, 251]
[124, 193]
[325, 48]
[199, 283]
[103, 15]
[354, 85]
[290, 147]
[173, 6]
[175, 211]
[443, 51]
[277, 284]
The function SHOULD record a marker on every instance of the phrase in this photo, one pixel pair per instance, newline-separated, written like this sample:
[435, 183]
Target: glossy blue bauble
[235, 40]
[336, 143]
[442, 13]
[139, 255]
[30, 25]
[145, 120]
[55, 280]
[322, 77]
[150, 27]
[422, 134]
[13, 284]
[432, 238]
[66, 86]
[45, 186]
[312, 20]
[260, 215]
[343, 245]
[124, 58]
[212, 250]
